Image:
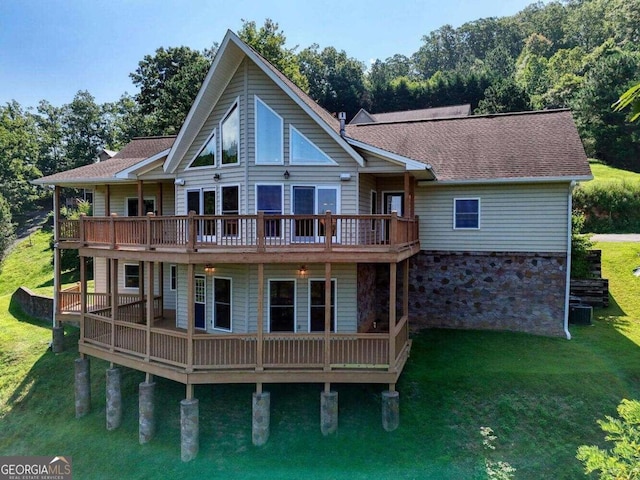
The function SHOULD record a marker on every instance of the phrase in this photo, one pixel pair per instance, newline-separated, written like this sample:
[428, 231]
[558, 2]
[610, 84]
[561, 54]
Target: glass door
[314, 201]
[200, 302]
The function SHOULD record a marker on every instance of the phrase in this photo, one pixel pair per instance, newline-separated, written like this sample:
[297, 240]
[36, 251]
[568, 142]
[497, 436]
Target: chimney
[342, 116]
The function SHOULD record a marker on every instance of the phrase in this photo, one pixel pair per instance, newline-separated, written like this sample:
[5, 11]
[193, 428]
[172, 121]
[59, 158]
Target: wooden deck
[244, 234]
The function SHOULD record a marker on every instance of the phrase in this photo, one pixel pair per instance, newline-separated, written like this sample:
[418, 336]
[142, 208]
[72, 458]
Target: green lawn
[541, 396]
[605, 173]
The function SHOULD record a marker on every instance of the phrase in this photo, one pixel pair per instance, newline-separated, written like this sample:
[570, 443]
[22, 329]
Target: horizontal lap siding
[346, 308]
[513, 218]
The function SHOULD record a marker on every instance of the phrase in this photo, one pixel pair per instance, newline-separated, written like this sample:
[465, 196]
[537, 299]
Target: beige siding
[100, 275]
[367, 185]
[513, 218]
[346, 285]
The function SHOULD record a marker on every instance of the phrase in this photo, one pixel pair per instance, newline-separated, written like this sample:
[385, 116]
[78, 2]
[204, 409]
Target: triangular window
[207, 155]
[304, 152]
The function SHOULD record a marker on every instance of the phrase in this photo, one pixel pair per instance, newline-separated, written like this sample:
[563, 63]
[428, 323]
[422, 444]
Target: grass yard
[541, 396]
[605, 173]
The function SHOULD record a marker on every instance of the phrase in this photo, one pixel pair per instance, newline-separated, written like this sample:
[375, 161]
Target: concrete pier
[146, 408]
[390, 410]
[261, 418]
[82, 386]
[189, 429]
[328, 412]
[114, 399]
[57, 344]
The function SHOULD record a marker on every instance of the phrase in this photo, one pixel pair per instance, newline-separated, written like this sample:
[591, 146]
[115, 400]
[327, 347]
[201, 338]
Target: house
[271, 242]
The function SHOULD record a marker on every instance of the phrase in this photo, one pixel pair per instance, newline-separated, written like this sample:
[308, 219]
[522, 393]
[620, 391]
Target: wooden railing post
[328, 230]
[393, 278]
[260, 240]
[112, 229]
[191, 241]
[260, 320]
[327, 316]
[148, 239]
[393, 229]
[83, 240]
[191, 311]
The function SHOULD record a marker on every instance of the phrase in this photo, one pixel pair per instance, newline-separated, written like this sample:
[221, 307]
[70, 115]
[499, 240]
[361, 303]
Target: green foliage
[502, 97]
[630, 98]
[609, 206]
[69, 259]
[623, 460]
[580, 246]
[498, 470]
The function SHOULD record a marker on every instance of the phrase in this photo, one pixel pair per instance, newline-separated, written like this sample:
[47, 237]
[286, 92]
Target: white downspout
[56, 287]
[568, 280]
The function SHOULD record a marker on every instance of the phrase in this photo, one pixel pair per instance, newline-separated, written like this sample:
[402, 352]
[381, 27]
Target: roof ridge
[153, 137]
[465, 117]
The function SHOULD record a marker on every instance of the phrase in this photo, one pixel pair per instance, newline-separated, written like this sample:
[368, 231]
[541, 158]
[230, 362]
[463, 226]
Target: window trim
[213, 313]
[235, 104]
[455, 201]
[334, 281]
[255, 114]
[200, 150]
[295, 302]
[145, 198]
[124, 276]
[291, 159]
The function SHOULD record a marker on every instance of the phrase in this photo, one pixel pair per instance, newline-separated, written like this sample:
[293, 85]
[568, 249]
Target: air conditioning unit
[580, 314]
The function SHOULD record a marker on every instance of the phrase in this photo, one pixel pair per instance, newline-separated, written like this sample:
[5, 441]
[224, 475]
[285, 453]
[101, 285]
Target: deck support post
[146, 412]
[82, 386]
[261, 417]
[390, 410]
[189, 429]
[328, 412]
[114, 399]
[57, 346]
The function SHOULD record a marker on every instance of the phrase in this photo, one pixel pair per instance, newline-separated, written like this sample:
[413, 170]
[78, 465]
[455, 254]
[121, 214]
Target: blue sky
[50, 49]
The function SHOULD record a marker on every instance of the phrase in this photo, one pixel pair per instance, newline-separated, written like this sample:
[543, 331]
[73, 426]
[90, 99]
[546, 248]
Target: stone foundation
[500, 291]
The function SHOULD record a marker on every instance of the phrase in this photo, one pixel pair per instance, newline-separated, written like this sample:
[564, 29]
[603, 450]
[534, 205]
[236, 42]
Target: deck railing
[254, 232]
[220, 351]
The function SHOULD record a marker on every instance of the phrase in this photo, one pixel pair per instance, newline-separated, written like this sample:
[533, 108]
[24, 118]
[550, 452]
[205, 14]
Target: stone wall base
[479, 290]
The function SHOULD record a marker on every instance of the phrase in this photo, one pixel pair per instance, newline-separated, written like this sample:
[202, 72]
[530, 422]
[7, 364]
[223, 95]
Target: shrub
[6, 227]
[609, 206]
[580, 245]
[623, 460]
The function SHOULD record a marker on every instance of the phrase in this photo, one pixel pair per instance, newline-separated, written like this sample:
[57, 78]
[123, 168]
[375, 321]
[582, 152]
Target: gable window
[149, 206]
[131, 275]
[269, 201]
[222, 303]
[282, 305]
[317, 305]
[207, 155]
[230, 132]
[304, 152]
[230, 207]
[268, 135]
[466, 213]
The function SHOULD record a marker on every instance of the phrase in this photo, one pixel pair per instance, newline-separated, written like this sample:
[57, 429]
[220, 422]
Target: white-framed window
[269, 200]
[269, 135]
[222, 302]
[466, 213]
[230, 134]
[131, 275]
[303, 151]
[317, 305]
[173, 278]
[132, 206]
[206, 156]
[282, 305]
[314, 200]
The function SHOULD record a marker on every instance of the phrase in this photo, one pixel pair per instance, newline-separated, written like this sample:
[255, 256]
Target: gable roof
[228, 58]
[407, 115]
[530, 145]
[137, 150]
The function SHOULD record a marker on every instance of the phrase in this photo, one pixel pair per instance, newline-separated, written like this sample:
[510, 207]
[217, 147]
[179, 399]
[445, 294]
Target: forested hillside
[580, 54]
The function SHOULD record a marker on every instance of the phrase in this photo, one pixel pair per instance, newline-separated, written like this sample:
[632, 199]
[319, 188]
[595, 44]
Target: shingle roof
[484, 147]
[404, 116]
[135, 151]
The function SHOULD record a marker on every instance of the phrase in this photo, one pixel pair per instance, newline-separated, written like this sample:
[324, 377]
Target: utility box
[580, 314]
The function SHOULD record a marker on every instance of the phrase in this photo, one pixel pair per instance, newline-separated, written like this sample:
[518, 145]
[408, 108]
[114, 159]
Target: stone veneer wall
[38, 306]
[479, 290]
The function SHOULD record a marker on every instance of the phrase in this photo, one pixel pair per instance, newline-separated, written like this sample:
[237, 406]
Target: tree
[50, 137]
[630, 98]
[623, 460]
[6, 227]
[502, 97]
[169, 81]
[19, 151]
[336, 81]
[270, 42]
